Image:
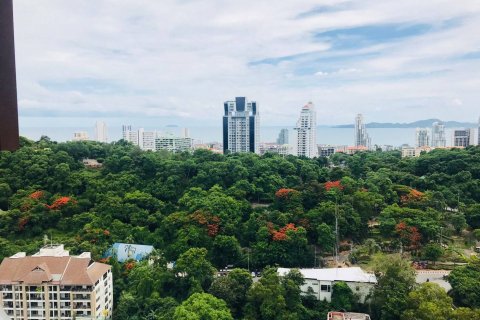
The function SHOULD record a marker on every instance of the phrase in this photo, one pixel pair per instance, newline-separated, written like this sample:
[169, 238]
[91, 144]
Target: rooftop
[52, 264]
[353, 274]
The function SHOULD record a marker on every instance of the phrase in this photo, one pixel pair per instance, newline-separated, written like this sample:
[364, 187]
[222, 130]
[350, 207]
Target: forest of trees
[206, 211]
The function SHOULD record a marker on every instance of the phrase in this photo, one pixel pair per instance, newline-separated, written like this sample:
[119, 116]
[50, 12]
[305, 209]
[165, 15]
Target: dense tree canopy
[206, 211]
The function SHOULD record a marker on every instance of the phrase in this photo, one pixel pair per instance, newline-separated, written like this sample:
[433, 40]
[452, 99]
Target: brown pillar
[9, 136]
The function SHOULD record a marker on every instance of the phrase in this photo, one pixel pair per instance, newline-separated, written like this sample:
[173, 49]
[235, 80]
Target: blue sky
[177, 61]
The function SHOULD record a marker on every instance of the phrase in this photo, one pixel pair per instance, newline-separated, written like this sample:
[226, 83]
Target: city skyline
[136, 59]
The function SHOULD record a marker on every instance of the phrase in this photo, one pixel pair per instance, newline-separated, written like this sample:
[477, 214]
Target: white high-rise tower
[361, 136]
[101, 131]
[438, 135]
[478, 133]
[306, 137]
[422, 137]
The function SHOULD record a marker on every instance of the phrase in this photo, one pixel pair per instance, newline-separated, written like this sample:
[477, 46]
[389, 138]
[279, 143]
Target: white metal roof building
[319, 282]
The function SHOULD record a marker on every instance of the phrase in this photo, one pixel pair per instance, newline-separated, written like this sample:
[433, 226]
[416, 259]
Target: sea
[62, 129]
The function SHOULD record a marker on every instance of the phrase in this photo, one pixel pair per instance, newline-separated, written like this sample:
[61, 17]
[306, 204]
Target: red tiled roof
[56, 270]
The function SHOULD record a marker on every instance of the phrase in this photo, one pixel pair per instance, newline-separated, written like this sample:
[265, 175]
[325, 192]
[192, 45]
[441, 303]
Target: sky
[177, 61]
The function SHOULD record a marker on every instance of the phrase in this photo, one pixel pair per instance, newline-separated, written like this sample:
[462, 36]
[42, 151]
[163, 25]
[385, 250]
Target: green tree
[427, 302]
[396, 278]
[233, 289]
[465, 281]
[225, 250]
[326, 238]
[202, 306]
[194, 264]
[432, 252]
[343, 297]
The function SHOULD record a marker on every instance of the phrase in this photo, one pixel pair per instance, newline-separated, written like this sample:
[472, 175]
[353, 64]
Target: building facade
[101, 132]
[462, 138]
[283, 137]
[80, 136]
[326, 151]
[130, 135]
[241, 126]
[422, 137]
[146, 139]
[173, 144]
[361, 136]
[306, 132]
[9, 134]
[51, 284]
[320, 281]
[438, 135]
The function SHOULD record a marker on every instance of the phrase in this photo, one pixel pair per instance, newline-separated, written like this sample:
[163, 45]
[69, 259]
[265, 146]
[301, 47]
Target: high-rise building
[422, 137]
[130, 135]
[438, 135]
[51, 284]
[283, 137]
[241, 126]
[80, 136]
[185, 133]
[9, 136]
[306, 128]
[462, 138]
[478, 132]
[101, 131]
[361, 136]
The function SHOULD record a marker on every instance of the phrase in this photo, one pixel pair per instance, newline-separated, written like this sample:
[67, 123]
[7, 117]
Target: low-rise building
[80, 136]
[51, 284]
[326, 150]
[335, 315]
[126, 251]
[173, 143]
[319, 282]
[281, 149]
[91, 163]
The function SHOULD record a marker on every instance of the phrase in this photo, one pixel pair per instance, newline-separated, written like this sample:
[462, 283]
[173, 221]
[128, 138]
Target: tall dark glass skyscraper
[241, 122]
[9, 139]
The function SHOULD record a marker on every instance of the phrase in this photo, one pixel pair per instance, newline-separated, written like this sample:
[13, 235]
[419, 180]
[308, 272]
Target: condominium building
[283, 137]
[51, 284]
[361, 136]
[101, 131]
[80, 136]
[462, 138]
[173, 143]
[438, 135]
[326, 151]
[422, 137]
[306, 132]
[281, 149]
[241, 126]
[130, 135]
[146, 139]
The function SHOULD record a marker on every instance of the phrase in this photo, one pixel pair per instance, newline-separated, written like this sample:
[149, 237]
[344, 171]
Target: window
[325, 288]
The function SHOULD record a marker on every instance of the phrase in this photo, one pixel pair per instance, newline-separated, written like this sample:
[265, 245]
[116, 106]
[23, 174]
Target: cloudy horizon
[179, 60]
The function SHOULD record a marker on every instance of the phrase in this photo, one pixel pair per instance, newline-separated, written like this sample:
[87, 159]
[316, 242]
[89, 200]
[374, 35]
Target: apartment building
[51, 284]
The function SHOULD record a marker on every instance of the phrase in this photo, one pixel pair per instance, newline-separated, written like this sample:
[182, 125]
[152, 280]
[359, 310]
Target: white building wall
[101, 131]
[306, 132]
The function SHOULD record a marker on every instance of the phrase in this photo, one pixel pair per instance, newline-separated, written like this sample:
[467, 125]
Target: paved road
[435, 276]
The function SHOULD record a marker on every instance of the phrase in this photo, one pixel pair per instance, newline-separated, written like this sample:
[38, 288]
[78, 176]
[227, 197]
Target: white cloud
[184, 58]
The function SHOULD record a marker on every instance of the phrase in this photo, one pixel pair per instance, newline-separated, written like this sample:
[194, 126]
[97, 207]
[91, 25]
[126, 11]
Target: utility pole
[336, 231]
